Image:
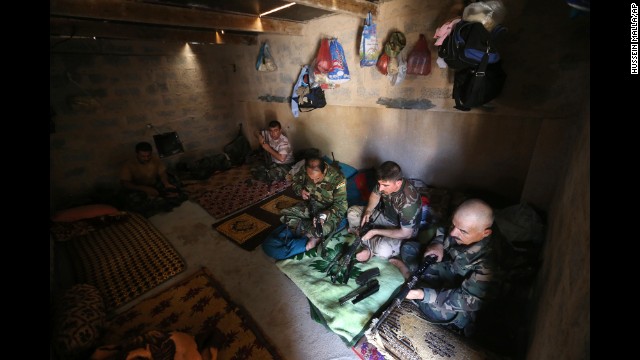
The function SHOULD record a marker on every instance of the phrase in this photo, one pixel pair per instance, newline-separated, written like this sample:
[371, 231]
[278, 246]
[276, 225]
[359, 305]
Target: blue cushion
[347, 170]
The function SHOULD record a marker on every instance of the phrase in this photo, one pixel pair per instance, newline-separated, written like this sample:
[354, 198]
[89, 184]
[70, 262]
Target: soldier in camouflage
[325, 188]
[465, 276]
[397, 220]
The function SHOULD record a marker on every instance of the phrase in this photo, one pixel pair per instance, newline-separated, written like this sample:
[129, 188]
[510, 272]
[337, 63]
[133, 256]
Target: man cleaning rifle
[400, 216]
[465, 277]
[324, 191]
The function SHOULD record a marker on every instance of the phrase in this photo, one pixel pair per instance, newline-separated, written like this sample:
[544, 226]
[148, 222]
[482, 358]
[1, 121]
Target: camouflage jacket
[330, 194]
[402, 207]
[469, 274]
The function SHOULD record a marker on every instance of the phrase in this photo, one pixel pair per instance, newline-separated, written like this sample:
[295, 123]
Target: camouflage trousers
[300, 221]
[272, 172]
[140, 202]
[438, 276]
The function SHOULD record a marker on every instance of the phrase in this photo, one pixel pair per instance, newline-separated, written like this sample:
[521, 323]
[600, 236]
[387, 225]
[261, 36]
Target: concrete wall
[561, 327]
[104, 92]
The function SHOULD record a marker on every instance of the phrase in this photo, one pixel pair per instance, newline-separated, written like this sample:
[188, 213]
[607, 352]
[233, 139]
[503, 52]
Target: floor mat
[195, 306]
[124, 260]
[231, 190]
[249, 228]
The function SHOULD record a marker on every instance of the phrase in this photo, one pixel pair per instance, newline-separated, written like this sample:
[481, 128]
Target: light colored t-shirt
[281, 145]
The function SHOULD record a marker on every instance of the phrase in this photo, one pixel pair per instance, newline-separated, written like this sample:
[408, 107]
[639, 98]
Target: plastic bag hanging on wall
[369, 50]
[265, 60]
[419, 59]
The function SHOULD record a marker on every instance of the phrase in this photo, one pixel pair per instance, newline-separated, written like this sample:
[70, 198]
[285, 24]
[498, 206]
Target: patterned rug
[199, 305]
[406, 334]
[124, 260]
[231, 190]
[249, 229]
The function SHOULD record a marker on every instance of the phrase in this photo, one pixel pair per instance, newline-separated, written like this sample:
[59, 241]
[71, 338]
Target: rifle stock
[408, 285]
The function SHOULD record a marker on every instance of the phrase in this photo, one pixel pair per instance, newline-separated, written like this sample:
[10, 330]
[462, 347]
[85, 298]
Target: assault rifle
[408, 285]
[316, 218]
[343, 260]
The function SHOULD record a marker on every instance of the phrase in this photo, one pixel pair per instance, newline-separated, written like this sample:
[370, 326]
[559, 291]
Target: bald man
[464, 278]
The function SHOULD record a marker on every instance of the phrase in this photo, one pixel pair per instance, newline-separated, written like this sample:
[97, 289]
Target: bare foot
[402, 267]
[313, 241]
[364, 255]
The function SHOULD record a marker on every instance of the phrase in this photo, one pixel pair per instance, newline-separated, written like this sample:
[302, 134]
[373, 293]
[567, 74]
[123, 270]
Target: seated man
[278, 154]
[324, 190]
[146, 187]
[464, 278]
[397, 219]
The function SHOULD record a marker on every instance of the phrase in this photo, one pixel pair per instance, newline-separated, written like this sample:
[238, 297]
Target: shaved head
[472, 221]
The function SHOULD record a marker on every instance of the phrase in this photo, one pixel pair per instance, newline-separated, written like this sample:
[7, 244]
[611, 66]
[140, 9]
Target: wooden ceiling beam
[65, 27]
[153, 14]
[358, 8]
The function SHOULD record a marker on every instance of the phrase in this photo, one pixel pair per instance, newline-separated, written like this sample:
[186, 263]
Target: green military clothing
[330, 198]
[460, 284]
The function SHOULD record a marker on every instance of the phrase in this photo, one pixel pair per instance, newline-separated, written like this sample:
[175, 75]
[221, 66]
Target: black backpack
[474, 87]
[468, 41]
[238, 149]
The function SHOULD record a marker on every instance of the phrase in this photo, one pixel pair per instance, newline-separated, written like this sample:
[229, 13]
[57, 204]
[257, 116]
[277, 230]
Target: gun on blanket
[343, 260]
[371, 287]
[408, 285]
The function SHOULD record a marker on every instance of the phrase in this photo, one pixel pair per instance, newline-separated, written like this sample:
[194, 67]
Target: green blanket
[307, 271]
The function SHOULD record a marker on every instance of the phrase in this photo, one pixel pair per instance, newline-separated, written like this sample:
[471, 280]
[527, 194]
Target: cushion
[83, 212]
[63, 231]
[79, 321]
[347, 170]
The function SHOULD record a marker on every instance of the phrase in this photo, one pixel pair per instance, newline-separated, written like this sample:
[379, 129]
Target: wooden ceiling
[203, 21]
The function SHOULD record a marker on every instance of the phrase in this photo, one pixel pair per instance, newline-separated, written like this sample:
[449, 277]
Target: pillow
[80, 321]
[83, 212]
[347, 170]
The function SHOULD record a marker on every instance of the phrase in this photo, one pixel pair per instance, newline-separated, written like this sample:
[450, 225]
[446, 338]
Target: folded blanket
[308, 272]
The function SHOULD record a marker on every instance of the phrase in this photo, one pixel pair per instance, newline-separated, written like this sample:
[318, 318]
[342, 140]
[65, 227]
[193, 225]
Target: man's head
[389, 175]
[143, 152]
[315, 167]
[275, 129]
[471, 222]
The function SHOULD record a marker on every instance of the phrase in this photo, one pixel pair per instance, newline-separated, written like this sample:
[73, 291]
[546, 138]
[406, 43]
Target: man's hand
[415, 294]
[365, 217]
[371, 233]
[435, 249]
[305, 194]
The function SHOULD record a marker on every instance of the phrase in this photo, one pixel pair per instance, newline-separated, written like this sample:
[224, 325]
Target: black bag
[238, 149]
[467, 43]
[476, 87]
[313, 100]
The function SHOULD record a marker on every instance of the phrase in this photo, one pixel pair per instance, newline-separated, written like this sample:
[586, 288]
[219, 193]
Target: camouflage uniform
[330, 198]
[461, 284]
[402, 208]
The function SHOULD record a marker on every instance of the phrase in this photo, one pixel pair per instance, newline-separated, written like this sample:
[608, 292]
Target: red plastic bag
[419, 59]
[383, 62]
[324, 63]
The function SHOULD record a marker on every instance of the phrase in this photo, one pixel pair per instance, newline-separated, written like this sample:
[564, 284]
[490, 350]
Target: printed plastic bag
[339, 72]
[265, 60]
[369, 50]
[419, 59]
